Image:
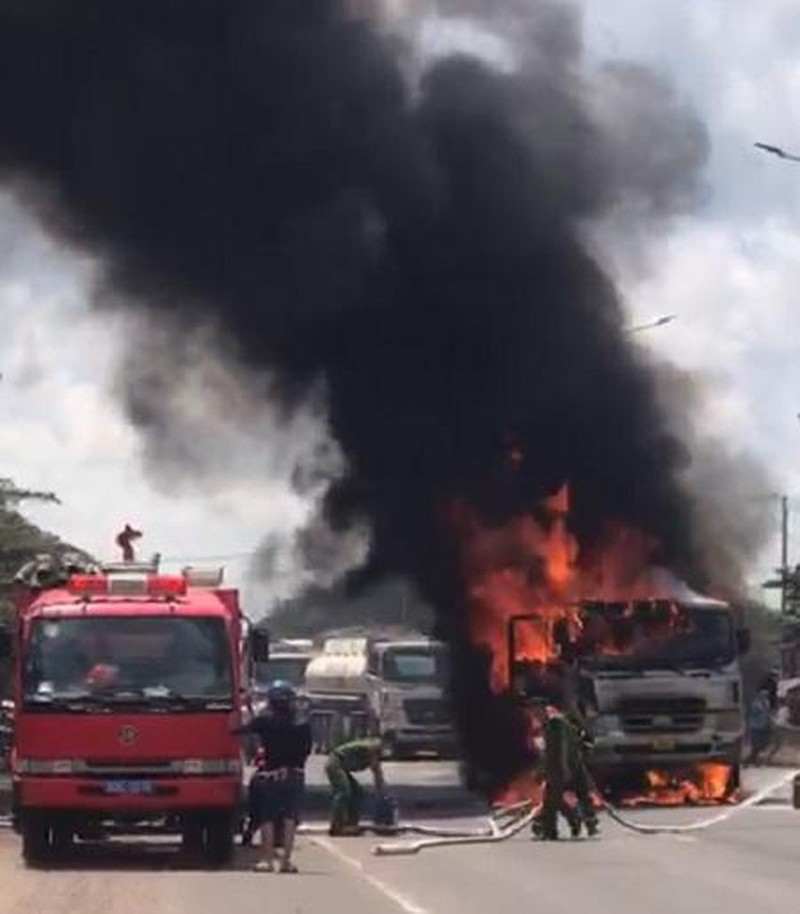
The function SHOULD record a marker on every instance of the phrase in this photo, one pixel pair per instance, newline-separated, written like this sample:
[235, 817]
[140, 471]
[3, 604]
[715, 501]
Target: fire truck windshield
[141, 660]
[655, 635]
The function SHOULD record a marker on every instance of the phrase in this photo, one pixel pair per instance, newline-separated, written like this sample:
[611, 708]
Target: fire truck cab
[128, 687]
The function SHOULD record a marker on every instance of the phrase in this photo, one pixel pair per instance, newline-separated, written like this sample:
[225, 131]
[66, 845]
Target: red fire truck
[128, 684]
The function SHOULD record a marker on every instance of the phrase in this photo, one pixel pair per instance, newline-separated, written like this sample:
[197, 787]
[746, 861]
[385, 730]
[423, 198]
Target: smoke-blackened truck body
[126, 686]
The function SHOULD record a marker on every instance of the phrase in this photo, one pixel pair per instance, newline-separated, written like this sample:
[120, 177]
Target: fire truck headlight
[206, 766]
[729, 720]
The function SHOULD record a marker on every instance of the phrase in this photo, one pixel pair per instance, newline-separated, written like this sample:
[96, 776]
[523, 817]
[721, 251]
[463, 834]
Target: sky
[730, 273]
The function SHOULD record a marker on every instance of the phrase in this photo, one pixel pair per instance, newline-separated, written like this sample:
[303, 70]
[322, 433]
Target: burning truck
[404, 244]
[652, 665]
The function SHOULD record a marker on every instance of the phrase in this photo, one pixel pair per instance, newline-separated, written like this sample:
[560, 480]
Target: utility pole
[784, 552]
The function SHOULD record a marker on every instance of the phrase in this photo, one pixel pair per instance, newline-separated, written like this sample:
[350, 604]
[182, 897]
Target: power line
[210, 558]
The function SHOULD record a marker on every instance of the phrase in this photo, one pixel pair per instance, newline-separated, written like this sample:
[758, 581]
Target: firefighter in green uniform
[566, 742]
[347, 794]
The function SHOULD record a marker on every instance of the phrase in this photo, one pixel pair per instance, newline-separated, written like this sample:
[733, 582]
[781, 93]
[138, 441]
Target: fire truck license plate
[128, 788]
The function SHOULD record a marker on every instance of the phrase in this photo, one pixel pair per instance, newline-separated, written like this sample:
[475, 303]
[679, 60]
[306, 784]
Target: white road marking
[402, 901]
[775, 807]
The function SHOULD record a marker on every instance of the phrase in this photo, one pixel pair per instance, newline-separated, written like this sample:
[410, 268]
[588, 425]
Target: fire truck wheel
[192, 837]
[219, 840]
[36, 843]
[62, 839]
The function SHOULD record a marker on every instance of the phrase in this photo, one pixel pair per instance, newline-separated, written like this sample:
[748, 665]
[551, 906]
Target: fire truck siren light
[127, 585]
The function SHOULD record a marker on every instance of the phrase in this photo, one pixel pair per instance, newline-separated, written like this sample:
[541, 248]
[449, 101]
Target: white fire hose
[521, 815]
[513, 812]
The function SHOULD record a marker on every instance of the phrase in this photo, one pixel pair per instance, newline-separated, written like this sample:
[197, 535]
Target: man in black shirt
[277, 788]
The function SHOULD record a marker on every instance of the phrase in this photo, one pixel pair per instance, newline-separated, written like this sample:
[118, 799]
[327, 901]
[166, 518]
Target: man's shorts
[277, 799]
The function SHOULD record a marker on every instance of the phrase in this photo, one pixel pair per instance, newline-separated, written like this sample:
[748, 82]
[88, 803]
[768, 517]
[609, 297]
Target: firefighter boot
[540, 833]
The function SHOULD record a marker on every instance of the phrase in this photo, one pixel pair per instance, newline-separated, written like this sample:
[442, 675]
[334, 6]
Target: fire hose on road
[508, 814]
[508, 821]
[504, 823]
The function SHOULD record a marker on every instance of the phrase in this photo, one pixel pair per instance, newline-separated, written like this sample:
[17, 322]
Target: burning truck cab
[660, 686]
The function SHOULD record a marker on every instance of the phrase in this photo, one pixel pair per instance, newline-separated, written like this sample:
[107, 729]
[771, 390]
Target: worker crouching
[347, 794]
[566, 743]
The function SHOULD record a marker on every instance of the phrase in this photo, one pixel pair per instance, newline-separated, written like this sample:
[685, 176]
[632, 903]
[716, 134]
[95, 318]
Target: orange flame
[533, 565]
[705, 785]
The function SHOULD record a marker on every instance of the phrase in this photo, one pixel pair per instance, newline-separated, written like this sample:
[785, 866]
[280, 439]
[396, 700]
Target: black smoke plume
[419, 244]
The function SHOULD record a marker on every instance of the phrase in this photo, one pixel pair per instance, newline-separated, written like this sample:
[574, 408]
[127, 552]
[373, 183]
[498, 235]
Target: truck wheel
[218, 846]
[36, 844]
[734, 780]
[192, 838]
[392, 750]
[62, 839]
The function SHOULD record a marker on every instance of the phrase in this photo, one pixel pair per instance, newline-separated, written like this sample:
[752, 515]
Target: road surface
[750, 863]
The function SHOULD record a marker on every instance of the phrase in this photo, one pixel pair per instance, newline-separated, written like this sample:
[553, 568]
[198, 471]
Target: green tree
[20, 541]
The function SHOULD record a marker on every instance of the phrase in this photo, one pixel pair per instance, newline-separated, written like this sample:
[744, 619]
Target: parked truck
[392, 689]
[659, 680]
[127, 688]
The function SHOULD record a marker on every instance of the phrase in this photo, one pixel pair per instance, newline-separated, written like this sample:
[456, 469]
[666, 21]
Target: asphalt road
[749, 863]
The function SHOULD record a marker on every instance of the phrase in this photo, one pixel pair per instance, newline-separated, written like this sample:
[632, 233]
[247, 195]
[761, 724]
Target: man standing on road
[759, 725]
[565, 744]
[277, 788]
[347, 794]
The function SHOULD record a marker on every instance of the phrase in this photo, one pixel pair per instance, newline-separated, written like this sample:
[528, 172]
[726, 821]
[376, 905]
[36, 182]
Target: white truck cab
[658, 680]
[396, 689]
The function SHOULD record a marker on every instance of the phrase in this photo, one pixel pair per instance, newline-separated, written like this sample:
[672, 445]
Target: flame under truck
[127, 687]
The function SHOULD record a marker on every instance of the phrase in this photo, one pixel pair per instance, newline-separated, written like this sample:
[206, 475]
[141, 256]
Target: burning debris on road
[414, 232]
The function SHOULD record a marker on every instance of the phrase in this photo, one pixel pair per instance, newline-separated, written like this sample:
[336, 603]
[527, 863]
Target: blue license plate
[128, 788]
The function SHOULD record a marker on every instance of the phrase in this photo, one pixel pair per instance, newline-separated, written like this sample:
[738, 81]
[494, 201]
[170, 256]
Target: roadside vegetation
[20, 541]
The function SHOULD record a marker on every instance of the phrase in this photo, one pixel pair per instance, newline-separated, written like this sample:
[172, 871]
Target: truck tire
[192, 838]
[218, 843]
[734, 779]
[393, 751]
[62, 839]
[36, 844]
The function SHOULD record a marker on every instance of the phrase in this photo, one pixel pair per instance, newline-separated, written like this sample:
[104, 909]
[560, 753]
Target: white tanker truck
[391, 688]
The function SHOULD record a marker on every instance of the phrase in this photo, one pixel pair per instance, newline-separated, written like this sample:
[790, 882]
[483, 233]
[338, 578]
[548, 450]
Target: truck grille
[426, 711]
[659, 715]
